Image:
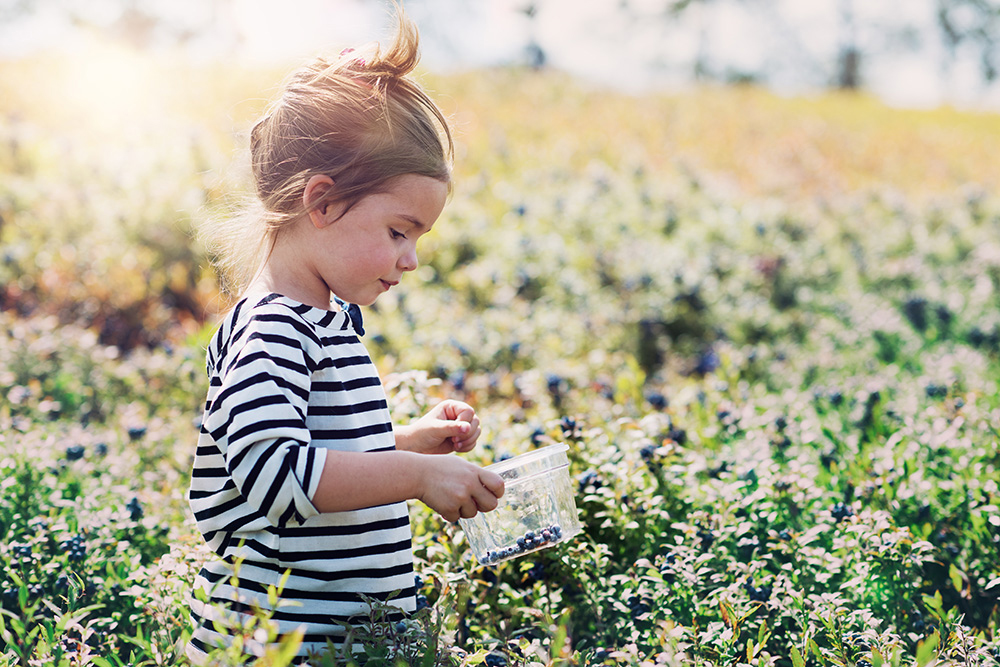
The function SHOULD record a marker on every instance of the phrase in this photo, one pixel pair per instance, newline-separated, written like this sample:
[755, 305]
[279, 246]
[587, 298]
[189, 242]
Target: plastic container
[537, 509]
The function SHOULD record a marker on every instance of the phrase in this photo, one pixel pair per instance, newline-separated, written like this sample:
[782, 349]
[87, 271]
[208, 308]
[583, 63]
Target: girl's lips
[386, 284]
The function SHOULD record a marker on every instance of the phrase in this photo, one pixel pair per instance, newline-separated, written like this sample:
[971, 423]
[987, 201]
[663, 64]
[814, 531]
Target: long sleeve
[258, 419]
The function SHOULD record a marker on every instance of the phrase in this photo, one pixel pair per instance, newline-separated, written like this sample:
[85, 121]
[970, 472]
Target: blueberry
[840, 511]
[762, 594]
[401, 627]
[101, 449]
[589, 478]
[522, 542]
[75, 452]
[136, 432]
[707, 538]
[495, 660]
[422, 602]
[785, 535]
[657, 400]
[134, 508]
[457, 380]
[537, 572]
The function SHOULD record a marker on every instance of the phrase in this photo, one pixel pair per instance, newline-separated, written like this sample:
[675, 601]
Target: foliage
[782, 413]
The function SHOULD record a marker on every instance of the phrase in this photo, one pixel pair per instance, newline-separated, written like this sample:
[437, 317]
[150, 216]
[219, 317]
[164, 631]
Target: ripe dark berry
[568, 426]
[495, 660]
[10, 598]
[75, 452]
[589, 478]
[657, 400]
[840, 511]
[422, 602]
[762, 594]
[134, 508]
[678, 435]
[136, 432]
[706, 537]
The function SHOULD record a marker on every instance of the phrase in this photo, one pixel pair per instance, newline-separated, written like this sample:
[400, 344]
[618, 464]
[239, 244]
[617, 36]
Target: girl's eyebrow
[413, 221]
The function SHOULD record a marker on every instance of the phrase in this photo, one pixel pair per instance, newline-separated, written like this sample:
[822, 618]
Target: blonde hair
[360, 119]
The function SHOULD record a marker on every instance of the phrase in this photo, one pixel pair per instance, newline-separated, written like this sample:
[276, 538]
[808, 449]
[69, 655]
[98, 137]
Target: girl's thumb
[456, 427]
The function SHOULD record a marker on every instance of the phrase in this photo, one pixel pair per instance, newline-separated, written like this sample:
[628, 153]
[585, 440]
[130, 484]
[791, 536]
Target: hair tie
[360, 62]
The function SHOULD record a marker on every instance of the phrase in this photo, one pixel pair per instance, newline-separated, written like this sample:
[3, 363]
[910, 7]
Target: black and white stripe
[287, 382]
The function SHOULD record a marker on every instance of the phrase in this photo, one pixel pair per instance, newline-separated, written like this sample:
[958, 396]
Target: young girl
[298, 469]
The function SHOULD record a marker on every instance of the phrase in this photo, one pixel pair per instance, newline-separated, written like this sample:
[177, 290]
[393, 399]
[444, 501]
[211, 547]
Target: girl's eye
[397, 235]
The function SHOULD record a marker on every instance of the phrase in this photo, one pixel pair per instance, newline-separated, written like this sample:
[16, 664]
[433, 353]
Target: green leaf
[927, 648]
[797, 659]
[559, 639]
[956, 577]
[934, 602]
[728, 615]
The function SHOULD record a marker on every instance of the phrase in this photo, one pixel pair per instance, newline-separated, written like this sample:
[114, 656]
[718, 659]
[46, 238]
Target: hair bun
[395, 62]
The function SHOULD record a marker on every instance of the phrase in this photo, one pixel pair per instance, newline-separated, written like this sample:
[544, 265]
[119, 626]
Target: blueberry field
[768, 329]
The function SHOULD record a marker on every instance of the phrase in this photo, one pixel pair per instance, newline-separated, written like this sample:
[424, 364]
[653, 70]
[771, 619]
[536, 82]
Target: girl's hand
[450, 426]
[455, 488]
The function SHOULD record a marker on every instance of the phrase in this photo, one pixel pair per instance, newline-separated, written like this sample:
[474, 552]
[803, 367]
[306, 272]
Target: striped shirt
[287, 382]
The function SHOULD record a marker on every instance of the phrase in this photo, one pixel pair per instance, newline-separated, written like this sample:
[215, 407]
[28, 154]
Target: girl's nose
[408, 260]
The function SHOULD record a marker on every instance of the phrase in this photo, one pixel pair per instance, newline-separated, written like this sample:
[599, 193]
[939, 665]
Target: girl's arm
[449, 485]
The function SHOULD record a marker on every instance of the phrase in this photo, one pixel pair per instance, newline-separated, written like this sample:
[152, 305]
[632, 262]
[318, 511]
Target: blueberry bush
[768, 329]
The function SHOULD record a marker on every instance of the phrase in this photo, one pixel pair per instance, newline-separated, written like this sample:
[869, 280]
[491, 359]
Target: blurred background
[123, 124]
[910, 53]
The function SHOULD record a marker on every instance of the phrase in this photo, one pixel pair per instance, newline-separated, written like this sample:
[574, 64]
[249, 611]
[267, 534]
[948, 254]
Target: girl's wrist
[402, 435]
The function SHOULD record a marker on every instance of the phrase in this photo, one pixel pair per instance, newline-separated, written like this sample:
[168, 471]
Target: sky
[794, 42]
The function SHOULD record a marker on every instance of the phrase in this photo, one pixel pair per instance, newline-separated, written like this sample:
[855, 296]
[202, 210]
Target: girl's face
[366, 251]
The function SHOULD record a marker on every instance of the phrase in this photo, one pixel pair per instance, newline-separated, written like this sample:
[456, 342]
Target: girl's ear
[317, 188]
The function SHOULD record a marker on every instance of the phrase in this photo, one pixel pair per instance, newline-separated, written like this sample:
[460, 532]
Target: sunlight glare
[108, 88]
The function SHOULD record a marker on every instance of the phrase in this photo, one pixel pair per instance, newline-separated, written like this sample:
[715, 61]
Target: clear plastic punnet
[537, 510]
